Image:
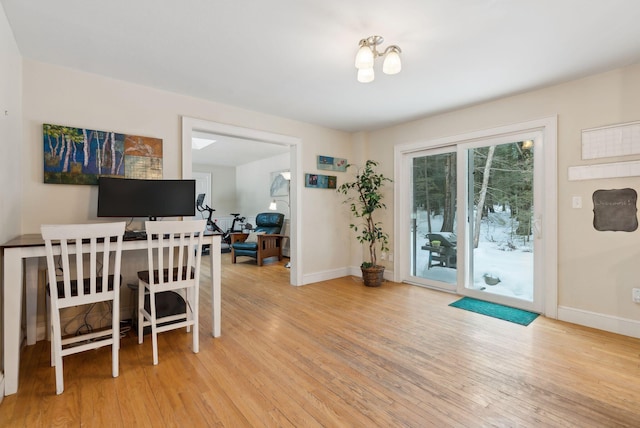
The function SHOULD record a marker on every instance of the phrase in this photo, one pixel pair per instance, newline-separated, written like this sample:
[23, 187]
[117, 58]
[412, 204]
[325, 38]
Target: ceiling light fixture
[368, 52]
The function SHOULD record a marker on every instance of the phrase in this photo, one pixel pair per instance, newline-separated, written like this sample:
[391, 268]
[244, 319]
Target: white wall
[62, 96]
[223, 188]
[10, 132]
[596, 270]
[10, 144]
[254, 183]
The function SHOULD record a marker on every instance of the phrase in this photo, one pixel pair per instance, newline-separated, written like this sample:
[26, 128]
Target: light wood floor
[338, 354]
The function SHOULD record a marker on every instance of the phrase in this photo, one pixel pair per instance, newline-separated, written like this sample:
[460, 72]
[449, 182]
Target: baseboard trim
[324, 275]
[604, 322]
[1, 387]
[339, 273]
[41, 332]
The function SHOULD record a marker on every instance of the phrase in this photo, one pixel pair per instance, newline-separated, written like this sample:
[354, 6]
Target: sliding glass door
[501, 219]
[433, 218]
[472, 211]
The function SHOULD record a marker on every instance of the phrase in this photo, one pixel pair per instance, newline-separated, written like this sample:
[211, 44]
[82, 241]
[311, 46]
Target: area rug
[494, 310]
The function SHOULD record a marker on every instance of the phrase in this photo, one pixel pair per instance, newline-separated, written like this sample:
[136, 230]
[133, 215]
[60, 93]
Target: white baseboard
[608, 323]
[339, 273]
[41, 332]
[324, 276]
[1, 387]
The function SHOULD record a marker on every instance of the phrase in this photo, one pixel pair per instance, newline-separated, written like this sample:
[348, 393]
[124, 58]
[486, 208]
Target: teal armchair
[268, 241]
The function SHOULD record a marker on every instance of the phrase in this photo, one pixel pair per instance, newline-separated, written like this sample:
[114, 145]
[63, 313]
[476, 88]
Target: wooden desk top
[35, 240]
[28, 240]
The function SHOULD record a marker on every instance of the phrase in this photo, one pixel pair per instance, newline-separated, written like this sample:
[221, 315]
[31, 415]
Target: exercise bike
[213, 226]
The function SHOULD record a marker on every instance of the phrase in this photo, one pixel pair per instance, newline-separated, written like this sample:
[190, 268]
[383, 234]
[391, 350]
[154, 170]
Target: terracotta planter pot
[373, 276]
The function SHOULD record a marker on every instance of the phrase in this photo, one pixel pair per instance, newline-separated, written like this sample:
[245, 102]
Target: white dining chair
[89, 264]
[174, 255]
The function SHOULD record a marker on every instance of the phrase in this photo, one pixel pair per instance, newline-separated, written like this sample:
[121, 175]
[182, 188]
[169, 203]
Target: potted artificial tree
[364, 196]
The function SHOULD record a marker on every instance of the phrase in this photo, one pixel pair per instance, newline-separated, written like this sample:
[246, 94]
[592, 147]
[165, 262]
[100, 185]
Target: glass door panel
[433, 218]
[501, 219]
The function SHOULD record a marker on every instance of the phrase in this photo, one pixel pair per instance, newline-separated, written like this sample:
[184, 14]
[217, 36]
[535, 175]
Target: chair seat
[144, 275]
[248, 246]
[87, 286]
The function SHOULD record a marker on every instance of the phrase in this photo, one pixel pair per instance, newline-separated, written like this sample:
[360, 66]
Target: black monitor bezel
[130, 198]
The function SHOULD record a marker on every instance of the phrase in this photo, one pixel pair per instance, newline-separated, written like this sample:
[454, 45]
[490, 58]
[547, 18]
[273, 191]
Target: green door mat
[502, 312]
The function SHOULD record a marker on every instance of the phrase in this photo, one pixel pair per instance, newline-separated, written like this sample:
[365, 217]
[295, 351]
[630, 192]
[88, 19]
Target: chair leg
[195, 317]
[53, 349]
[188, 313]
[141, 292]
[115, 346]
[57, 351]
[154, 326]
[50, 328]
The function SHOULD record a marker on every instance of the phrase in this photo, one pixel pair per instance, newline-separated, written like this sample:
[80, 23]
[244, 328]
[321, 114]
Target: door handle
[537, 227]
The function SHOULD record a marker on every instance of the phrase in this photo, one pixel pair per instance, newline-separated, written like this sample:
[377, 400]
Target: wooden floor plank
[339, 354]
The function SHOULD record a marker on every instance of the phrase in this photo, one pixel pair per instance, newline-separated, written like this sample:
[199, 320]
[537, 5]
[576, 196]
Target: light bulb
[392, 63]
[366, 75]
[364, 57]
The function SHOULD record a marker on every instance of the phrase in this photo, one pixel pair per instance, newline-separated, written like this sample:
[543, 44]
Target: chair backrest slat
[106, 264]
[70, 239]
[181, 241]
[66, 268]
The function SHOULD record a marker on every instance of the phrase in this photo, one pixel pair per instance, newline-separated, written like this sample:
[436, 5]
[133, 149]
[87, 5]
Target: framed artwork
[279, 184]
[320, 181]
[332, 164]
[80, 155]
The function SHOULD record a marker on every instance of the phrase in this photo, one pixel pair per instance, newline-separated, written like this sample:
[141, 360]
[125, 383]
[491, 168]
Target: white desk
[28, 248]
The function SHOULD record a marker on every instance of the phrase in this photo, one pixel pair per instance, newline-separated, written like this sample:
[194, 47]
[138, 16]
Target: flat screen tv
[125, 197]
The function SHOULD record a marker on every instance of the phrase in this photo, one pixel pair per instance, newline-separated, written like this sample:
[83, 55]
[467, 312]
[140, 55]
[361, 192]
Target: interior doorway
[191, 125]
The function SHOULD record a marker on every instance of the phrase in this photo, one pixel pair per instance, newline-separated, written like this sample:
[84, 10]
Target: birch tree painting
[80, 156]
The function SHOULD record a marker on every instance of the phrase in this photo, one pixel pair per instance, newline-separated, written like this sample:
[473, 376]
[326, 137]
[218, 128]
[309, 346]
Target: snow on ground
[500, 254]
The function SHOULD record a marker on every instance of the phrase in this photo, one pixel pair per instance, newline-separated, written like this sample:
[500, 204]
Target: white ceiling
[231, 152]
[294, 58]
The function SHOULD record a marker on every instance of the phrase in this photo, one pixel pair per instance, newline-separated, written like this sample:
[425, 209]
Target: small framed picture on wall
[320, 181]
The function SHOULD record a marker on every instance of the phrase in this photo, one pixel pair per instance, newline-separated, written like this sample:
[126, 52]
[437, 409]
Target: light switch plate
[576, 202]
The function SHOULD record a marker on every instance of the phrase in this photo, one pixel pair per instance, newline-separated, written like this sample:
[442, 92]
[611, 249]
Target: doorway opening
[191, 125]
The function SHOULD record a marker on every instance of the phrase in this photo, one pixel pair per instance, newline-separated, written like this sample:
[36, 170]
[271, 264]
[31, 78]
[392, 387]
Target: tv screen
[124, 197]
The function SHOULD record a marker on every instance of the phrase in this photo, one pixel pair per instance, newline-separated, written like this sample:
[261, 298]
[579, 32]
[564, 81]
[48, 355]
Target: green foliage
[510, 182]
[434, 187]
[364, 196]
